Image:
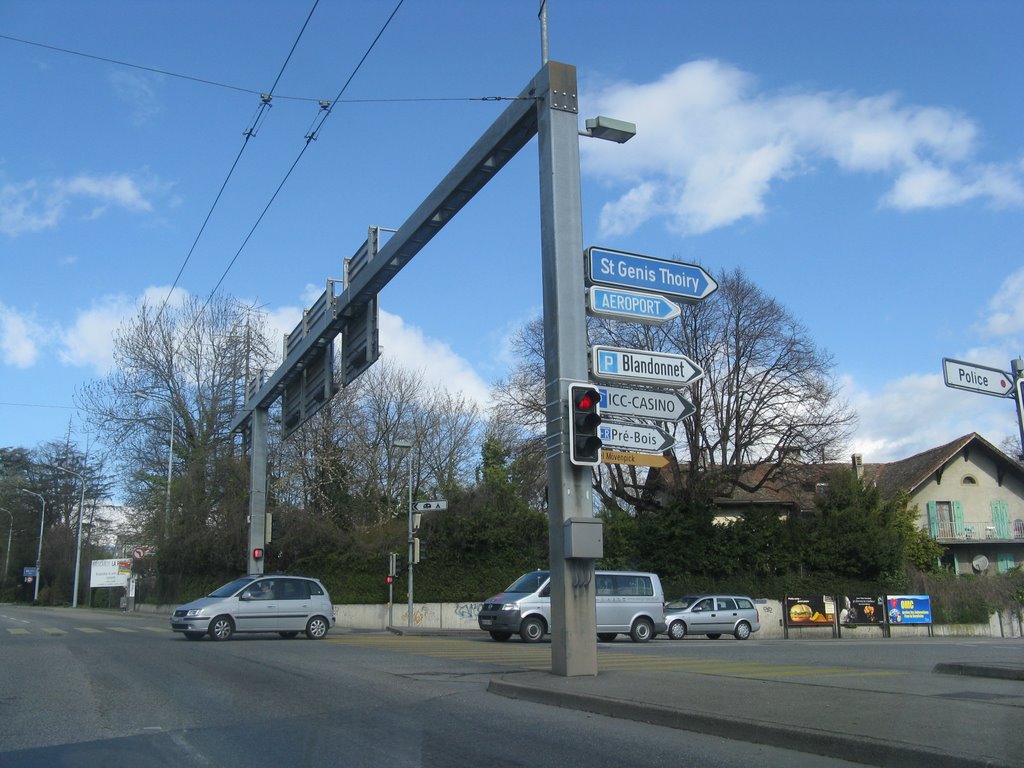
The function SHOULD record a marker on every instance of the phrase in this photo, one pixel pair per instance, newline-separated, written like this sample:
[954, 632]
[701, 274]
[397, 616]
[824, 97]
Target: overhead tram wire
[243, 89]
[265, 100]
[324, 112]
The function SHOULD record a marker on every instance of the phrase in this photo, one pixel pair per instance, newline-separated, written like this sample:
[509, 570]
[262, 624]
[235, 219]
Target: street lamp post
[81, 513]
[7, 559]
[39, 553]
[407, 445]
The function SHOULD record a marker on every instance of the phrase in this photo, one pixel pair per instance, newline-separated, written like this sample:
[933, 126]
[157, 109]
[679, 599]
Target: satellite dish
[980, 563]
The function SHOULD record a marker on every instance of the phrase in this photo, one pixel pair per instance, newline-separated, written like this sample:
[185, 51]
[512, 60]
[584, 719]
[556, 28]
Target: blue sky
[862, 162]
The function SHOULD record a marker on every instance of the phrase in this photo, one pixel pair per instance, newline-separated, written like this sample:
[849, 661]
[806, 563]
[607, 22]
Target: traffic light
[257, 553]
[584, 420]
[415, 550]
[391, 579]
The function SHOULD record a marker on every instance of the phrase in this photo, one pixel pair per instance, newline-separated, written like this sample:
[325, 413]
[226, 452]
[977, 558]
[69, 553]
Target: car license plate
[485, 622]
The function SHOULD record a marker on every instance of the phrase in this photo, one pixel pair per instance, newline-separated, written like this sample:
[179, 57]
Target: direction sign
[634, 459]
[631, 305]
[430, 506]
[635, 437]
[643, 367]
[977, 378]
[645, 404]
[632, 270]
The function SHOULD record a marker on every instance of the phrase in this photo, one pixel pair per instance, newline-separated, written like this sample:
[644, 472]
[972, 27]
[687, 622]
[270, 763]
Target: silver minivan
[286, 605]
[628, 602]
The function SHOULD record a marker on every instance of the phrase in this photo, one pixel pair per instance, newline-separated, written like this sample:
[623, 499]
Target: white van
[628, 602]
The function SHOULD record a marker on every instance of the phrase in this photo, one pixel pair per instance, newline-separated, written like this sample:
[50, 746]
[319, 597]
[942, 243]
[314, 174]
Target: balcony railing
[979, 531]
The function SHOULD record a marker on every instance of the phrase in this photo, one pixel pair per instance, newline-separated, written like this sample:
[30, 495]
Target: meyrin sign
[645, 404]
[977, 378]
[647, 273]
[643, 367]
[631, 305]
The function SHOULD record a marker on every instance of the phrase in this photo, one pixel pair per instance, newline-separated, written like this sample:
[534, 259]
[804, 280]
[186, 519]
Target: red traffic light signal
[584, 422]
[391, 580]
[257, 553]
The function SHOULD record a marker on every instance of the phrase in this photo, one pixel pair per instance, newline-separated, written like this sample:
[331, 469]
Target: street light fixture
[407, 445]
[170, 454]
[39, 553]
[609, 129]
[81, 513]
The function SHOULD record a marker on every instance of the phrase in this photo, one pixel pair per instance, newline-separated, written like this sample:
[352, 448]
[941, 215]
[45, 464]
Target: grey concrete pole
[573, 602]
[258, 488]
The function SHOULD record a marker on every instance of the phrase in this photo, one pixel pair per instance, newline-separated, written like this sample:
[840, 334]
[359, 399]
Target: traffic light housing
[584, 422]
[257, 553]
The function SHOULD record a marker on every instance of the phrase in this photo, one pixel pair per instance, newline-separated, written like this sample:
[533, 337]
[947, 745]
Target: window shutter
[958, 519]
[933, 520]
[1001, 519]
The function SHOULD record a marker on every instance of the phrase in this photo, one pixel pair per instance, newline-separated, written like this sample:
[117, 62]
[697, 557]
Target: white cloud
[137, 91]
[1006, 308]
[918, 412]
[709, 147]
[34, 206]
[20, 337]
[410, 348]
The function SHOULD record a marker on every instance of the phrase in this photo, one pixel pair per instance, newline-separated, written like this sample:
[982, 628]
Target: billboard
[909, 609]
[862, 611]
[110, 573]
[810, 611]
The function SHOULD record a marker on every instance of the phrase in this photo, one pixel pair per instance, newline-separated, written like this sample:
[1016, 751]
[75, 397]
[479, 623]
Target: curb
[853, 748]
[980, 670]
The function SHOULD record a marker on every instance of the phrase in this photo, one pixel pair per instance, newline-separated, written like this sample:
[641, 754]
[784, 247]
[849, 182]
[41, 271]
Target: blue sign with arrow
[631, 305]
[632, 270]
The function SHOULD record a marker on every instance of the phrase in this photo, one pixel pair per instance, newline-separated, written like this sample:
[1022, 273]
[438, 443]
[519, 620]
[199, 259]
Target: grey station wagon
[286, 605]
[712, 615]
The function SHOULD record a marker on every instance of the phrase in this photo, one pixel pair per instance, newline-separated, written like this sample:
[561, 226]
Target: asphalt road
[89, 688]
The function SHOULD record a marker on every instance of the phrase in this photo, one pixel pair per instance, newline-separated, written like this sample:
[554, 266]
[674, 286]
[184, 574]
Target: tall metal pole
[7, 559]
[573, 600]
[39, 552]
[258, 487]
[409, 457]
[81, 512]
[1017, 368]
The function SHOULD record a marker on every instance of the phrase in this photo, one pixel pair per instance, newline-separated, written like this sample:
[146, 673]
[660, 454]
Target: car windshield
[229, 589]
[680, 603]
[529, 583]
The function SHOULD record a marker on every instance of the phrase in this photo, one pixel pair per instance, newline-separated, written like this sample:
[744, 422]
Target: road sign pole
[573, 601]
[1017, 367]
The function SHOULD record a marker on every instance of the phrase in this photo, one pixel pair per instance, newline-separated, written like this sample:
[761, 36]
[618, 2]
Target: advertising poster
[909, 609]
[817, 610]
[857, 611]
[110, 573]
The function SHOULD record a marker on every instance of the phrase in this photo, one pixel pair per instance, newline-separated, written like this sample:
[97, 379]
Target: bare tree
[767, 390]
[179, 370]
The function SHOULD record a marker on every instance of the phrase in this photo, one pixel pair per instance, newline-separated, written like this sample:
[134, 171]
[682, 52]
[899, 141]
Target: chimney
[858, 465]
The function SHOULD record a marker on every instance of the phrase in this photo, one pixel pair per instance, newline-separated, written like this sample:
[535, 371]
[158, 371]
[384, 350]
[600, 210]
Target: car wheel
[714, 636]
[222, 628]
[288, 635]
[531, 630]
[194, 635]
[642, 631]
[742, 631]
[607, 637]
[501, 637]
[677, 630]
[317, 627]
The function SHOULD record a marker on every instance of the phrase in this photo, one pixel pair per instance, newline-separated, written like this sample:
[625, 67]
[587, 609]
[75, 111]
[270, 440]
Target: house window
[968, 480]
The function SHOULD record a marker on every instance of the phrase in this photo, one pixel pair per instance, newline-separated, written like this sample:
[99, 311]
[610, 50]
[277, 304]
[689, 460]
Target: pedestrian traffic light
[391, 579]
[257, 553]
[584, 421]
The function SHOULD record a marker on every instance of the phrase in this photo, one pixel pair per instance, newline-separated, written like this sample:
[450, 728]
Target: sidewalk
[930, 721]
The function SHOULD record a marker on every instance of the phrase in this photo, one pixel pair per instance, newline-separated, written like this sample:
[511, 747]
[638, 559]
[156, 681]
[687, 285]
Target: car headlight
[510, 607]
[195, 612]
